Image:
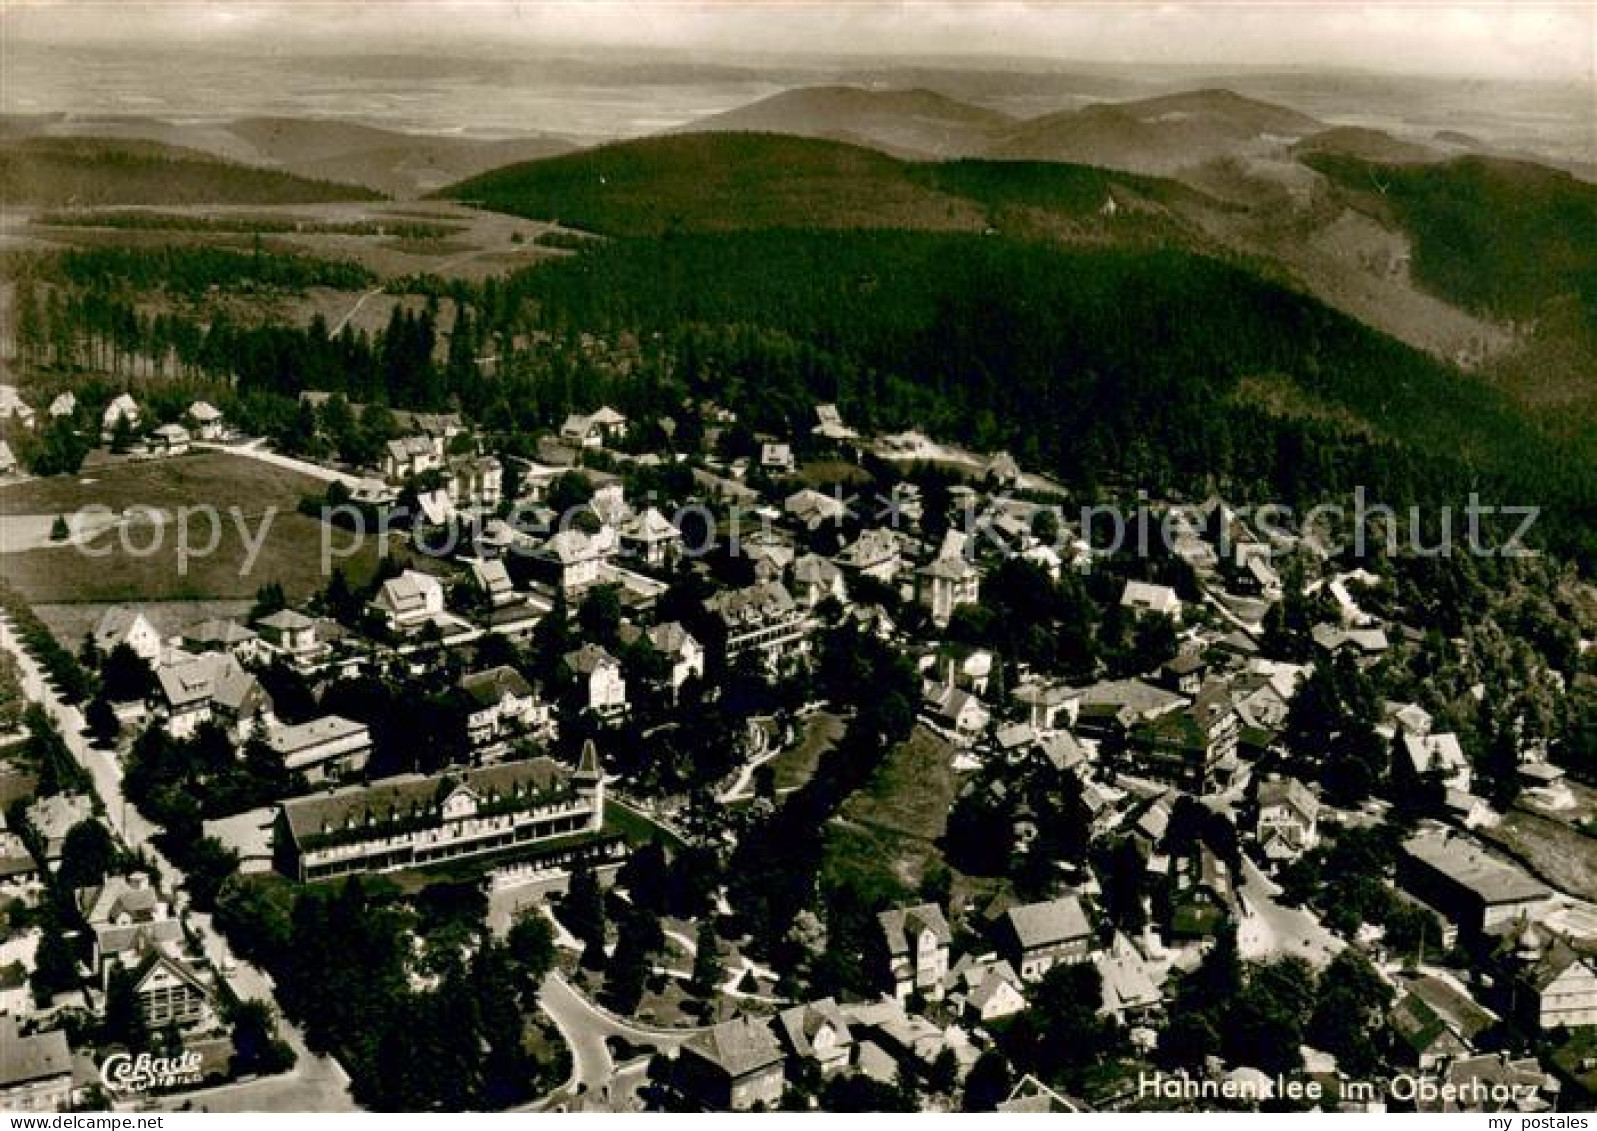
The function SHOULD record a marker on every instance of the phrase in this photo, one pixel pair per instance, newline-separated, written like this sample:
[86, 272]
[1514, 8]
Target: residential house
[1436, 1021]
[35, 1070]
[1438, 757]
[811, 509]
[122, 624]
[918, 940]
[476, 481]
[777, 458]
[734, 1066]
[986, 989]
[121, 414]
[816, 1031]
[415, 820]
[501, 703]
[1556, 985]
[875, 553]
[1131, 992]
[492, 578]
[170, 992]
[817, 579]
[829, 424]
[676, 645]
[323, 749]
[13, 407]
[947, 583]
[572, 558]
[1144, 598]
[408, 457]
[651, 538]
[64, 407]
[1193, 749]
[761, 619]
[1288, 820]
[292, 635]
[955, 709]
[409, 600]
[135, 929]
[218, 635]
[604, 426]
[207, 420]
[1036, 937]
[210, 687]
[600, 684]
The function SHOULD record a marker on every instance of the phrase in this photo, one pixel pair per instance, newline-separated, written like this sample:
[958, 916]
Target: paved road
[1269, 929]
[585, 1028]
[316, 1083]
[257, 450]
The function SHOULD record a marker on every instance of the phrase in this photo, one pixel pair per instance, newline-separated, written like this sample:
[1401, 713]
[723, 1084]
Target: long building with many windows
[417, 820]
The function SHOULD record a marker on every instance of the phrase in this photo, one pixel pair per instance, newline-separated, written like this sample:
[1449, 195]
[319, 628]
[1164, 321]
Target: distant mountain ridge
[904, 122]
[391, 162]
[89, 171]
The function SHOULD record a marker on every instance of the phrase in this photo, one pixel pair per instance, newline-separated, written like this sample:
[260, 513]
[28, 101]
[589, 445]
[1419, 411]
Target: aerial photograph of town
[614, 556]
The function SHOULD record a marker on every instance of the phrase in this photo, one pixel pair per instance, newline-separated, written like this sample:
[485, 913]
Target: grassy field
[468, 243]
[884, 839]
[1565, 857]
[795, 765]
[249, 496]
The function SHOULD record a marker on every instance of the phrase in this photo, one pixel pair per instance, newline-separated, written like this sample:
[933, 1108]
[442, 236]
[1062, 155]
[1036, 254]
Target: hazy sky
[1505, 39]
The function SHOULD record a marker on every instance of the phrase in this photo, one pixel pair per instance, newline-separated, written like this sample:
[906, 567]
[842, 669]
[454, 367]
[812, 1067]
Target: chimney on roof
[139, 881]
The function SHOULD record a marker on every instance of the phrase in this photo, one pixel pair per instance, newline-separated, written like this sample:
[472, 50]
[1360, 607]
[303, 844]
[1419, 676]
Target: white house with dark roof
[408, 457]
[918, 940]
[501, 703]
[594, 429]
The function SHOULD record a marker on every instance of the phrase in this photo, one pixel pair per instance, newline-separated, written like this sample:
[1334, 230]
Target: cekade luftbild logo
[127, 1074]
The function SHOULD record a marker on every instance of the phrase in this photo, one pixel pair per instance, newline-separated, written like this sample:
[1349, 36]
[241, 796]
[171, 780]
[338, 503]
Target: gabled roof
[752, 603]
[800, 1023]
[1047, 924]
[24, 1060]
[650, 526]
[1291, 793]
[287, 620]
[589, 658]
[116, 625]
[901, 926]
[290, 741]
[738, 1047]
[493, 685]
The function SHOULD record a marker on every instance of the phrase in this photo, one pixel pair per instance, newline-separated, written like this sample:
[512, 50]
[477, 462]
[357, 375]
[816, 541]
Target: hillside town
[755, 771]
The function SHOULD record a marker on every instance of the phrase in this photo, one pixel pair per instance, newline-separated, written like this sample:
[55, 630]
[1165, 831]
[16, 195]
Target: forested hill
[85, 172]
[731, 181]
[1086, 362]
